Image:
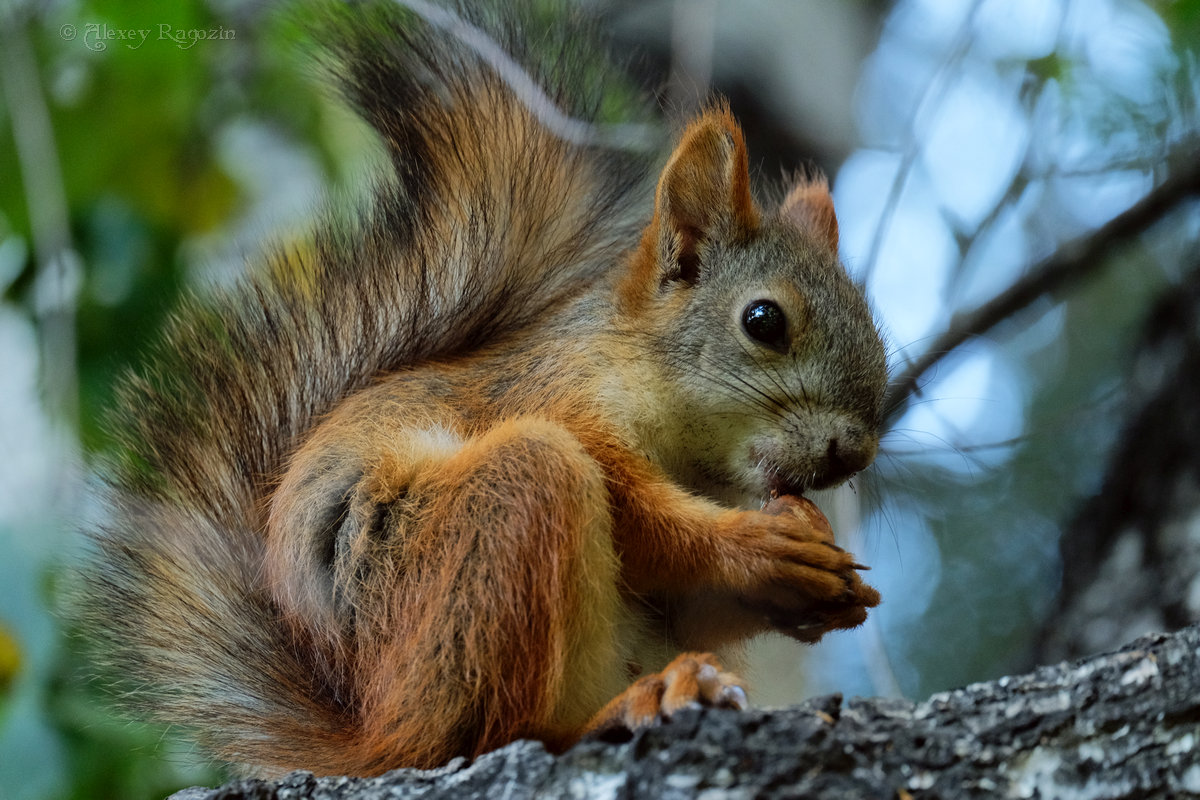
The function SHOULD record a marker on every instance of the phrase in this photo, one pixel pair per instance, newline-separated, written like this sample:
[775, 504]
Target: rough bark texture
[1134, 548]
[1123, 725]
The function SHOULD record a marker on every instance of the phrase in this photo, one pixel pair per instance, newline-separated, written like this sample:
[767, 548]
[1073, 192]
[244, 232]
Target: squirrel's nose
[846, 455]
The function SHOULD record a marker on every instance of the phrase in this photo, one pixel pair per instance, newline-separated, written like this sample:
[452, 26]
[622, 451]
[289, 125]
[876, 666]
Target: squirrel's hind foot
[692, 680]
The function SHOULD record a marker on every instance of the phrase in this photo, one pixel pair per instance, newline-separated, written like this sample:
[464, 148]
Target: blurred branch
[1069, 264]
[59, 271]
[931, 97]
[633, 137]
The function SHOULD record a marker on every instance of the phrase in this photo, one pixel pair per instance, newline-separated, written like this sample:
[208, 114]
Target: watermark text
[99, 35]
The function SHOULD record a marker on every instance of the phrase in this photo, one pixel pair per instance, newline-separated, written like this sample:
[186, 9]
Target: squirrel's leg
[501, 618]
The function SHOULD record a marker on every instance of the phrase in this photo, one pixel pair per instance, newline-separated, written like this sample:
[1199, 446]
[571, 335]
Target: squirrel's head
[769, 350]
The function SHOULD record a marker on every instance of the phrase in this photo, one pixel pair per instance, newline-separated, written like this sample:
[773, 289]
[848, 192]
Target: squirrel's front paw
[801, 581]
[692, 680]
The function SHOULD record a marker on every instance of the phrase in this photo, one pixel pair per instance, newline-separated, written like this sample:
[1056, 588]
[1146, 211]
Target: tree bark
[1121, 725]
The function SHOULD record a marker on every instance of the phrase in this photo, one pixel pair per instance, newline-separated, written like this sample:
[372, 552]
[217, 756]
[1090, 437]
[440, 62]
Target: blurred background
[1015, 182]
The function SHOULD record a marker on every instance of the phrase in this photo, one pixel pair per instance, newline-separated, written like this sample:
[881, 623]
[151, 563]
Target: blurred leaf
[1048, 68]
[1183, 18]
[10, 658]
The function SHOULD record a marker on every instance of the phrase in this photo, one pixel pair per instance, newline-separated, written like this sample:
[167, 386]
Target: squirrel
[514, 453]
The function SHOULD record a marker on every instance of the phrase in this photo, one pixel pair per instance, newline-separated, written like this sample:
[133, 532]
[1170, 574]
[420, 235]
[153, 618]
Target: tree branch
[1119, 725]
[1069, 264]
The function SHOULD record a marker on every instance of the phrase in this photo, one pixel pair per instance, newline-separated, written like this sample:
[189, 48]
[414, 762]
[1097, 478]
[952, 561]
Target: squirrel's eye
[764, 322]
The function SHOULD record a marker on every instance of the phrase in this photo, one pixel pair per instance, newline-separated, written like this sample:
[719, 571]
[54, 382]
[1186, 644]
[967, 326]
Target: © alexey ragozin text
[98, 35]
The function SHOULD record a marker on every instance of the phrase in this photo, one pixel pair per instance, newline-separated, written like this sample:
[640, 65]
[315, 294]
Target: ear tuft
[809, 207]
[704, 192]
[703, 196]
[705, 187]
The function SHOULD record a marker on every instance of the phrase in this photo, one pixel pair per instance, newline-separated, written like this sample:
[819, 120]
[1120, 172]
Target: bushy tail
[487, 219]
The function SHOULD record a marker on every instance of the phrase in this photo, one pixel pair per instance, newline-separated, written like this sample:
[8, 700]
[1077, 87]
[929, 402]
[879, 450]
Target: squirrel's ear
[703, 194]
[809, 207]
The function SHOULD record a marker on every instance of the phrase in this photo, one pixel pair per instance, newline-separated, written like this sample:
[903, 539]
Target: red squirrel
[512, 454]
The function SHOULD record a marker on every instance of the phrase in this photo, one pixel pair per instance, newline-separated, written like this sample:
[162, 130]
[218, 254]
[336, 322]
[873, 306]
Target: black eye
[764, 322]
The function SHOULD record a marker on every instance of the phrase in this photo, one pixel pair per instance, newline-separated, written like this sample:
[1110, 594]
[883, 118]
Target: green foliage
[1183, 18]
